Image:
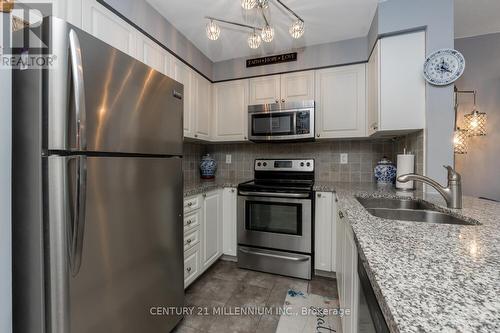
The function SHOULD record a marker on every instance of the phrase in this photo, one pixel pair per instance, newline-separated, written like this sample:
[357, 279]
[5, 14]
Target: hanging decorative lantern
[476, 123]
[460, 141]
[213, 30]
[267, 34]
[248, 4]
[254, 40]
[296, 29]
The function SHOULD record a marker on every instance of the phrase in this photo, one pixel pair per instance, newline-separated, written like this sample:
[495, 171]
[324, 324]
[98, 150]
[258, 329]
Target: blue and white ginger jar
[385, 171]
[208, 166]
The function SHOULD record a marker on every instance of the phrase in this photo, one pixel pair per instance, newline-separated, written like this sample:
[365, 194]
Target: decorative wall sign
[271, 60]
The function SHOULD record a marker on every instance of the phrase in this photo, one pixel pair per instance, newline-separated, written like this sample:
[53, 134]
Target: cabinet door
[265, 90]
[229, 241]
[340, 259]
[340, 102]
[351, 284]
[373, 90]
[182, 73]
[211, 243]
[402, 86]
[323, 231]
[297, 86]
[151, 53]
[202, 111]
[103, 24]
[230, 110]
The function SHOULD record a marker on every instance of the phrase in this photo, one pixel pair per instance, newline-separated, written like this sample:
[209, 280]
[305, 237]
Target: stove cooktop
[277, 185]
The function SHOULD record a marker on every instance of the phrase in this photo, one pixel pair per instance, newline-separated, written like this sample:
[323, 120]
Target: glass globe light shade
[297, 29]
[460, 141]
[267, 34]
[476, 123]
[213, 30]
[248, 4]
[253, 40]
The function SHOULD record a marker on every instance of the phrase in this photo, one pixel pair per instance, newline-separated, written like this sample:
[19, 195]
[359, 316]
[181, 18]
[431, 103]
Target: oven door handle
[276, 256]
[273, 194]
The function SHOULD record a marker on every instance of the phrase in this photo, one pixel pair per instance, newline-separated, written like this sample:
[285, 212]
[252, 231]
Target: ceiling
[325, 21]
[476, 17]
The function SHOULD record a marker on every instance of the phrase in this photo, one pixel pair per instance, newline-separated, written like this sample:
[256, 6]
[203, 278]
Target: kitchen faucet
[452, 193]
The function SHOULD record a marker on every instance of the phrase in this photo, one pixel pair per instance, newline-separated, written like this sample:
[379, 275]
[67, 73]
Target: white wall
[5, 190]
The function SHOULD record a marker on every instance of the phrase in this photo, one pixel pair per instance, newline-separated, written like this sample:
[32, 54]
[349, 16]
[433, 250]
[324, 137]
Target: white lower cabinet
[229, 204]
[347, 274]
[202, 233]
[325, 232]
[211, 228]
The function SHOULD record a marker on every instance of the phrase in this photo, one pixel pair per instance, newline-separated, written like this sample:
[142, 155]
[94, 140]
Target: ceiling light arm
[289, 10]
[233, 23]
[264, 16]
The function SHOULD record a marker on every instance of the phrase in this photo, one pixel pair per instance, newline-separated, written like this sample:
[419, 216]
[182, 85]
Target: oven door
[283, 223]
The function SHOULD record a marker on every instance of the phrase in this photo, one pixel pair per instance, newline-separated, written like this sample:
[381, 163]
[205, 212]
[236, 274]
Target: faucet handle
[452, 174]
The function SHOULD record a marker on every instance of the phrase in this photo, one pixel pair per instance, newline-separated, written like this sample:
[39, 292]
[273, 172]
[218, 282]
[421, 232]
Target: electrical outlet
[344, 158]
[228, 159]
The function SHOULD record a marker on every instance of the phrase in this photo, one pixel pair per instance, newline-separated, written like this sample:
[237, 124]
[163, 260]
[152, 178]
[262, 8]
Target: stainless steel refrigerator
[97, 190]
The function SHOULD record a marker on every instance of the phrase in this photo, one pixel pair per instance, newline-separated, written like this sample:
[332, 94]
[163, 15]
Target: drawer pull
[189, 241]
[341, 215]
[190, 204]
[188, 222]
[188, 269]
[319, 195]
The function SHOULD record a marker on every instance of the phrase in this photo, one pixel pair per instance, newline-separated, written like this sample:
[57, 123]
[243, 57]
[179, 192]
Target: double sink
[409, 210]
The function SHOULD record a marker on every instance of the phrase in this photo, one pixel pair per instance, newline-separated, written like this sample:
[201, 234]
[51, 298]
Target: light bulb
[253, 40]
[248, 4]
[213, 30]
[267, 34]
[297, 29]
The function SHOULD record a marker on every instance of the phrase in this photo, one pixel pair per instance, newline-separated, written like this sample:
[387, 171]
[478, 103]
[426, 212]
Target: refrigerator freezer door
[115, 102]
[109, 267]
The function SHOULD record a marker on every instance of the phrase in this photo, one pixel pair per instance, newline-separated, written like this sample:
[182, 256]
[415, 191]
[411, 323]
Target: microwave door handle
[294, 122]
[272, 194]
[76, 64]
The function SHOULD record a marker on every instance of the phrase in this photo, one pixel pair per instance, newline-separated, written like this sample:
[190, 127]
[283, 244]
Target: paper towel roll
[405, 164]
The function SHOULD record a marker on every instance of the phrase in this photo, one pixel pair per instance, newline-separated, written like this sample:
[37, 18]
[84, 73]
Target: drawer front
[192, 220]
[191, 204]
[191, 239]
[191, 265]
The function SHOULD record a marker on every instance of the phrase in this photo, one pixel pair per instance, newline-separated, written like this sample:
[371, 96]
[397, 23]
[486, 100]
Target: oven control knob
[308, 164]
[264, 164]
[301, 164]
[259, 164]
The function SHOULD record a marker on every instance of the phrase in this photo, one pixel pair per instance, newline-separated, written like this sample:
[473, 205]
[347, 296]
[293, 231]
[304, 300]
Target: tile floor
[226, 286]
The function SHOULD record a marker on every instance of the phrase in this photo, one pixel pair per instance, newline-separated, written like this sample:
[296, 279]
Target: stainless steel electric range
[275, 218]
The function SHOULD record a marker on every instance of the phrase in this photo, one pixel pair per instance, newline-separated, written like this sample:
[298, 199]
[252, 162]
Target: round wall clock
[444, 67]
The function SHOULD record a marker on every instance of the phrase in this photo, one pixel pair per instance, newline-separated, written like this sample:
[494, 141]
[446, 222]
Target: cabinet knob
[190, 204]
[188, 269]
[189, 241]
[196, 135]
[204, 195]
[245, 138]
[341, 215]
[319, 195]
[232, 190]
[282, 101]
[318, 135]
[277, 100]
[189, 222]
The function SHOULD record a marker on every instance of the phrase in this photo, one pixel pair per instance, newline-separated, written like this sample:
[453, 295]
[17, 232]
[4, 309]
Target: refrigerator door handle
[79, 89]
[78, 217]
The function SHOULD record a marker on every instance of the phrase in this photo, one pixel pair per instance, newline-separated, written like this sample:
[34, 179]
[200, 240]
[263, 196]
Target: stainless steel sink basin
[409, 210]
[394, 203]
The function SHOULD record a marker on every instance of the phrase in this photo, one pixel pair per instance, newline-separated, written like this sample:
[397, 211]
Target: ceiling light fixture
[267, 34]
[248, 4]
[296, 30]
[213, 30]
[254, 40]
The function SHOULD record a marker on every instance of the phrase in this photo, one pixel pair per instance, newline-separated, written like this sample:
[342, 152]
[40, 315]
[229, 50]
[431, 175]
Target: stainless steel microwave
[292, 121]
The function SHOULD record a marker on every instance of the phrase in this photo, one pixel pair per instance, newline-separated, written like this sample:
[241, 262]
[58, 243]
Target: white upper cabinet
[203, 106]
[265, 90]
[151, 54]
[282, 88]
[341, 102]
[297, 86]
[183, 74]
[230, 104]
[105, 25]
[396, 87]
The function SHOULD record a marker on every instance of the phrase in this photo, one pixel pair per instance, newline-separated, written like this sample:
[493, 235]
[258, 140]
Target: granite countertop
[203, 186]
[429, 277]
